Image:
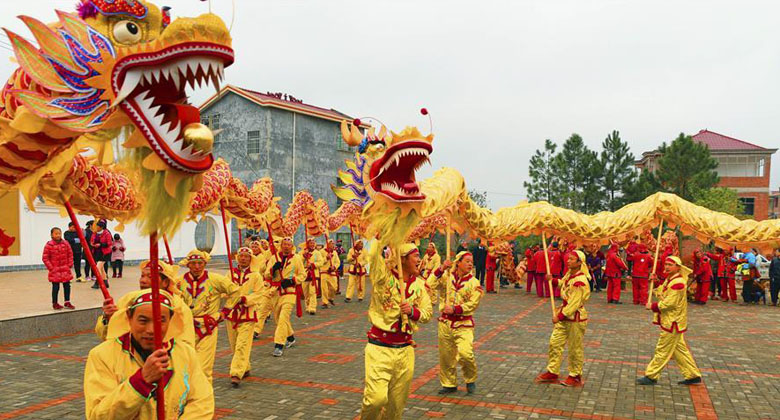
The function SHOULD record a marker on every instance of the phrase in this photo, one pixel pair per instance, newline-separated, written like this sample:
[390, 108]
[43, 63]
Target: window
[749, 203]
[341, 146]
[215, 122]
[253, 142]
[760, 167]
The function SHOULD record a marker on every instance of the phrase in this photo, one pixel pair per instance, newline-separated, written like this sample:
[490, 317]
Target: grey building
[276, 135]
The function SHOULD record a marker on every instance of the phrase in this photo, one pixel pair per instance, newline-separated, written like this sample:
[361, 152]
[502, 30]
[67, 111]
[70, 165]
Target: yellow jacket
[330, 264]
[671, 309]
[429, 264]
[357, 262]
[114, 387]
[259, 261]
[251, 289]
[292, 269]
[187, 336]
[205, 296]
[385, 309]
[575, 291]
[462, 294]
[315, 257]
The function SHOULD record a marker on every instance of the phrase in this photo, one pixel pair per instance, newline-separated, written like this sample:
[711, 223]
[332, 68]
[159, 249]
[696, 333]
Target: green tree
[540, 170]
[686, 167]
[478, 197]
[577, 175]
[617, 163]
[720, 199]
[644, 185]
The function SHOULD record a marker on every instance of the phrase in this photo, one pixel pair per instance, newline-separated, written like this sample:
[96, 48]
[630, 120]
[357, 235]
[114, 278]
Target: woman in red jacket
[58, 258]
[613, 272]
[102, 243]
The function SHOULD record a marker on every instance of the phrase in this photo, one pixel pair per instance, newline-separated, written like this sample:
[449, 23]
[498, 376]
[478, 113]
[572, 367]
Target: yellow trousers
[265, 308]
[571, 333]
[240, 339]
[388, 379]
[456, 346]
[672, 345]
[329, 286]
[352, 285]
[310, 296]
[284, 308]
[206, 348]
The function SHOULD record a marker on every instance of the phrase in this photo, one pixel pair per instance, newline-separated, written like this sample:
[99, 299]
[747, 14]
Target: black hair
[131, 311]
[116, 237]
[90, 223]
[53, 229]
[70, 224]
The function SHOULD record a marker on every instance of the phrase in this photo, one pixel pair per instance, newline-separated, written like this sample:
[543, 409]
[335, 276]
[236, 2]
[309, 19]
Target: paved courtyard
[737, 348]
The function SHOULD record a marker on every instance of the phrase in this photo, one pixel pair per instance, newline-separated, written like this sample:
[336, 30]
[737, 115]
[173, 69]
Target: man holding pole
[357, 272]
[312, 260]
[329, 274]
[671, 314]
[570, 321]
[286, 274]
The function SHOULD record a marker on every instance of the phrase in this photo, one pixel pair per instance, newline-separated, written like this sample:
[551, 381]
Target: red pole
[168, 249]
[227, 239]
[87, 250]
[240, 239]
[158, 338]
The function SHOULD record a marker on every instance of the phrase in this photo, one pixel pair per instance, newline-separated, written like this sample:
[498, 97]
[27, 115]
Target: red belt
[389, 338]
[209, 324]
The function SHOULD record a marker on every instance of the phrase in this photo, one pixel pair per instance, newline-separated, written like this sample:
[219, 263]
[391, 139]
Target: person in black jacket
[480, 257]
[774, 276]
[75, 245]
[87, 237]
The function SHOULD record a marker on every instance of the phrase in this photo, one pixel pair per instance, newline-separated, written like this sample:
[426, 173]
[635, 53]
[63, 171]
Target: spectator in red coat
[102, 243]
[727, 266]
[702, 272]
[530, 266]
[642, 263]
[58, 258]
[613, 272]
[556, 269]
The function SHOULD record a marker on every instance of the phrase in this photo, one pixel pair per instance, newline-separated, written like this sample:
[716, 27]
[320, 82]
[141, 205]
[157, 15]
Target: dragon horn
[351, 134]
[382, 132]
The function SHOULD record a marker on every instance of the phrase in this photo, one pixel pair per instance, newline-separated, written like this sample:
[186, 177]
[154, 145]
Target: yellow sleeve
[321, 261]
[351, 257]
[224, 285]
[379, 271]
[300, 273]
[101, 329]
[673, 298]
[468, 308]
[576, 296]
[436, 262]
[437, 283]
[256, 293]
[200, 399]
[104, 398]
[425, 307]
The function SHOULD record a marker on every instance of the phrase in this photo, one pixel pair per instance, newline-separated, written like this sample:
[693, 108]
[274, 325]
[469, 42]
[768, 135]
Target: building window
[760, 167]
[205, 234]
[253, 142]
[213, 121]
[340, 144]
[749, 203]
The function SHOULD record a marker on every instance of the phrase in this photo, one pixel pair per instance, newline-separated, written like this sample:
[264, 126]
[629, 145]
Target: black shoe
[645, 381]
[471, 388]
[347, 300]
[609, 300]
[617, 302]
[360, 299]
[517, 286]
[255, 336]
[95, 285]
[692, 381]
[235, 381]
[448, 390]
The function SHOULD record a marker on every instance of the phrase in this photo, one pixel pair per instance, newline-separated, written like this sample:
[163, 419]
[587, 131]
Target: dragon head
[124, 63]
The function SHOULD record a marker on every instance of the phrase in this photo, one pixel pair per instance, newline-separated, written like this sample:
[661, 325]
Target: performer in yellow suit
[242, 318]
[431, 261]
[203, 290]
[670, 312]
[313, 260]
[167, 274]
[121, 375]
[260, 254]
[286, 274]
[460, 297]
[396, 309]
[570, 322]
[357, 260]
[329, 274]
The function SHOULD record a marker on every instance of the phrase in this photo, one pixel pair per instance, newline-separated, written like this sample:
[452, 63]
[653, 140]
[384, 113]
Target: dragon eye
[127, 32]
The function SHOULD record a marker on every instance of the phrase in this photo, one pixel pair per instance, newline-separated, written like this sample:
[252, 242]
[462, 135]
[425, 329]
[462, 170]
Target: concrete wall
[313, 166]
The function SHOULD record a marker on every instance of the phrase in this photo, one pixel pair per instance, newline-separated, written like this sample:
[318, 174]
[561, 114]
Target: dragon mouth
[151, 91]
[394, 173]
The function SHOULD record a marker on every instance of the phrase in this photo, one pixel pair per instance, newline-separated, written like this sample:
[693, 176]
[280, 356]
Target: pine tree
[686, 167]
[578, 173]
[617, 163]
[540, 170]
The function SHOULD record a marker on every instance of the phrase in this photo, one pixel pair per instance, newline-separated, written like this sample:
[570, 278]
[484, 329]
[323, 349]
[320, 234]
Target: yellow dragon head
[118, 63]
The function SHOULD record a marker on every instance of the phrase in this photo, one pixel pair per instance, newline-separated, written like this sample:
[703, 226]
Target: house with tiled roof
[277, 135]
[742, 166]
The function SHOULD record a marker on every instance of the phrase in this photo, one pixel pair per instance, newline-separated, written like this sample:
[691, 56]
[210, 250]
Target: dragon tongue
[186, 114]
[410, 186]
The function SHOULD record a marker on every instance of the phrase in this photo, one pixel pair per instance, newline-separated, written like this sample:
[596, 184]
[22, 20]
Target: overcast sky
[499, 77]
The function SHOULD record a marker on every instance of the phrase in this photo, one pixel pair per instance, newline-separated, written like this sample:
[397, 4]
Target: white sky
[501, 76]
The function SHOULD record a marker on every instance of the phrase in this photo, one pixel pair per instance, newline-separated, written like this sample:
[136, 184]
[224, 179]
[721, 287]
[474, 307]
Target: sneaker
[448, 390]
[80, 279]
[347, 300]
[646, 381]
[312, 313]
[617, 302]
[692, 381]
[95, 285]
[471, 388]
[546, 378]
[255, 336]
[278, 352]
[235, 381]
[246, 375]
[69, 305]
[572, 381]
[290, 343]
[324, 306]
[609, 300]
[360, 299]
[56, 306]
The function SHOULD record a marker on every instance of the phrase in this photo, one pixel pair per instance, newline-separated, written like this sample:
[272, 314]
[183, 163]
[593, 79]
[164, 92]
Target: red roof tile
[717, 141]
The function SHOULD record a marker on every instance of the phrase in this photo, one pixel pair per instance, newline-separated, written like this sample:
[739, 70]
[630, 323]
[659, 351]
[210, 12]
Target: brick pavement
[322, 378]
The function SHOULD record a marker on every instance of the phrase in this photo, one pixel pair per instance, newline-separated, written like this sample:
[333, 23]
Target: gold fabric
[388, 379]
[563, 334]
[672, 345]
[456, 346]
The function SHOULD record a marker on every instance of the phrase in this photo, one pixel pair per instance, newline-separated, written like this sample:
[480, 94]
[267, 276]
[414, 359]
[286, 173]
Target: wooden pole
[655, 261]
[227, 239]
[401, 287]
[158, 338]
[167, 249]
[547, 263]
[87, 250]
[449, 234]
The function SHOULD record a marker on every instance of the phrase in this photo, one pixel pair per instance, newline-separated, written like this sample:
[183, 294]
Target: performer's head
[311, 245]
[464, 263]
[244, 257]
[264, 244]
[359, 245]
[431, 248]
[410, 258]
[139, 315]
[672, 265]
[287, 246]
[330, 246]
[255, 247]
[573, 262]
[196, 262]
[167, 272]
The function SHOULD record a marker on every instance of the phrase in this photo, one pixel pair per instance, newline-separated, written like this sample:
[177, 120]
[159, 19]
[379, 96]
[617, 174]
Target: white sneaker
[278, 352]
